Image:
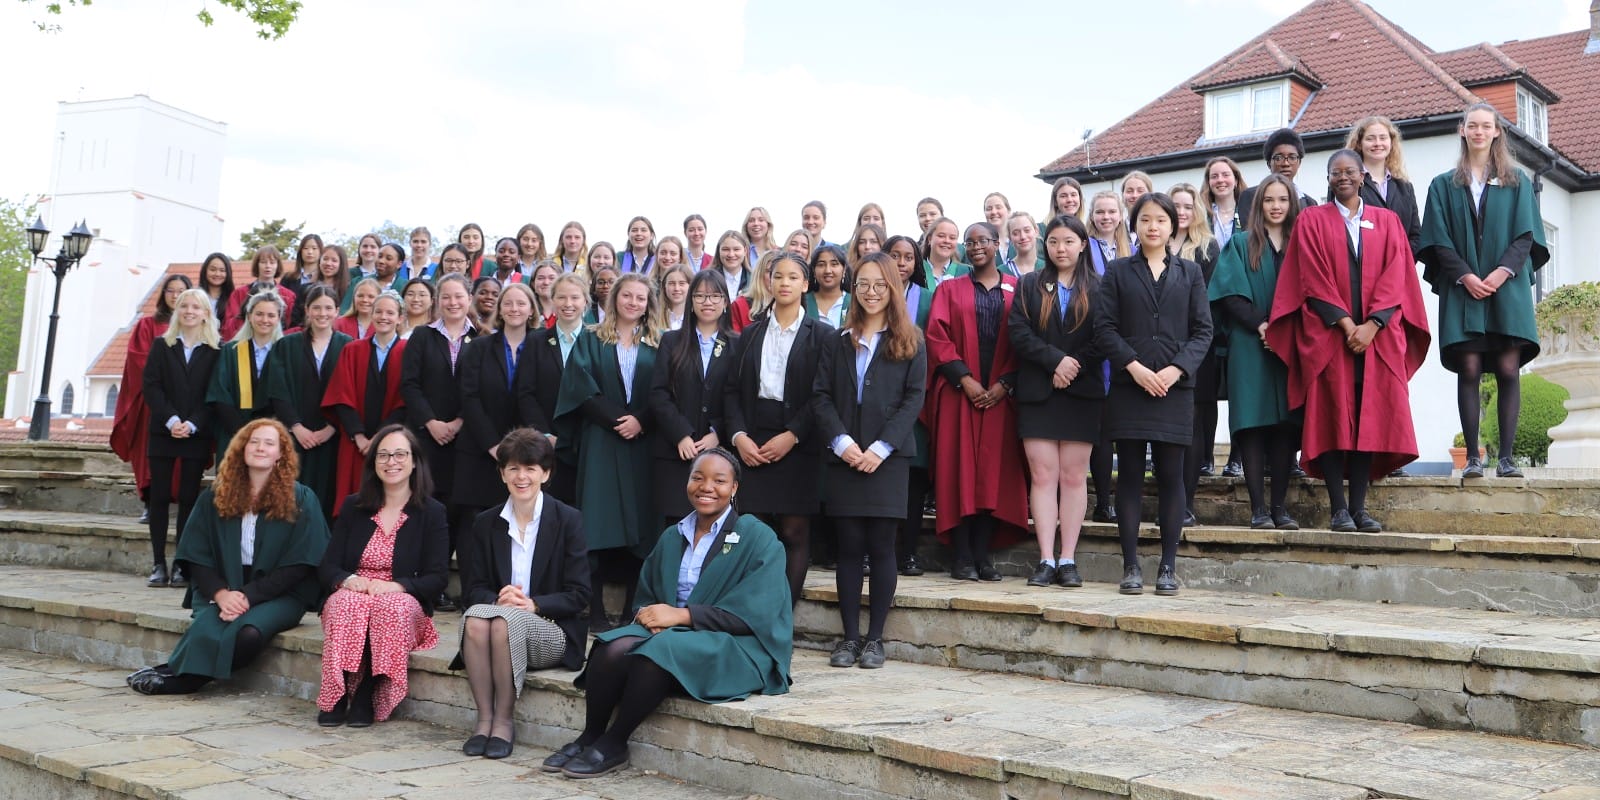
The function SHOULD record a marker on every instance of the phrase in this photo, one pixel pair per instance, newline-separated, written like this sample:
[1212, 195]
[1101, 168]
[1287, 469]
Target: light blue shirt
[381, 351]
[694, 555]
[706, 347]
[864, 353]
[567, 339]
[627, 361]
[259, 354]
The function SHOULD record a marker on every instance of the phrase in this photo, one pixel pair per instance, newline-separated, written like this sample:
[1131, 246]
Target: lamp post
[73, 248]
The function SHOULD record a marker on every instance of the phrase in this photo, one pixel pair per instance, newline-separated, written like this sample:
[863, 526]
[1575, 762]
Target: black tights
[624, 567]
[1169, 463]
[1202, 449]
[971, 538]
[1100, 470]
[631, 687]
[911, 527]
[161, 496]
[794, 530]
[1339, 464]
[248, 643]
[874, 537]
[1507, 367]
[1272, 447]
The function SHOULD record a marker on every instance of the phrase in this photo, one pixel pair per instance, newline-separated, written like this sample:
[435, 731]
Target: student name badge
[728, 542]
[1007, 287]
[1366, 224]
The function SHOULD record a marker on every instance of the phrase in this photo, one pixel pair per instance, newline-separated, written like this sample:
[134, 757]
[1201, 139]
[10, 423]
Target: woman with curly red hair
[252, 549]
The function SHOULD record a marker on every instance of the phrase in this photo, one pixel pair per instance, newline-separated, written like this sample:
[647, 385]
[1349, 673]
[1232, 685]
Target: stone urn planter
[1569, 338]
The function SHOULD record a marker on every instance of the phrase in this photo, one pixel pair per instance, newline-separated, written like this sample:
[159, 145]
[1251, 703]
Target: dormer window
[1244, 110]
[1532, 117]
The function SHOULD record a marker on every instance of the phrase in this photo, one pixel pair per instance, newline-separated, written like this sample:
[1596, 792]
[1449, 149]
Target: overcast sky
[502, 112]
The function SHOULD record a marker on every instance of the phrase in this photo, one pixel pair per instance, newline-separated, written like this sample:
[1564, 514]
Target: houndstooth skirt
[535, 642]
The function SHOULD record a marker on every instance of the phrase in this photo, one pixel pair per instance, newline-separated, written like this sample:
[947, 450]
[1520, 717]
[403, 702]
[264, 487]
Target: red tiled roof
[1479, 64]
[91, 430]
[1263, 60]
[114, 355]
[1347, 46]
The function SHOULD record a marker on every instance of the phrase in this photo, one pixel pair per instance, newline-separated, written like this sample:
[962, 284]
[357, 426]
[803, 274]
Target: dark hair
[514, 243]
[993, 232]
[1257, 226]
[319, 290]
[1084, 279]
[471, 256]
[399, 252]
[370, 498]
[692, 218]
[687, 346]
[817, 204]
[919, 275]
[525, 447]
[1343, 152]
[1282, 136]
[263, 252]
[433, 291]
[443, 251]
[300, 250]
[164, 311]
[651, 246]
[1162, 201]
[227, 277]
[722, 453]
[816, 255]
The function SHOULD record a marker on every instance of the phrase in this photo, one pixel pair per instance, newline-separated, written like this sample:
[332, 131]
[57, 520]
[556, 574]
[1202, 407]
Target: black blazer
[744, 381]
[428, 383]
[685, 403]
[539, 380]
[489, 410]
[421, 550]
[891, 396]
[1402, 201]
[558, 580]
[1038, 352]
[1132, 323]
[173, 387]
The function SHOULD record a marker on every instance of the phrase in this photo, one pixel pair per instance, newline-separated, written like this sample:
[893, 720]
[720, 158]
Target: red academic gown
[1322, 371]
[348, 387]
[231, 322]
[977, 455]
[130, 432]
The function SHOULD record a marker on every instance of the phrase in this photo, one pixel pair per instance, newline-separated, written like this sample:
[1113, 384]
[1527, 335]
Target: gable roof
[1337, 47]
[114, 355]
[1561, 65]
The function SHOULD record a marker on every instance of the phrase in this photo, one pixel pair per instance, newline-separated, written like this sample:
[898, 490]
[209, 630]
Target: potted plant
[1458, 452]
[1569, 339]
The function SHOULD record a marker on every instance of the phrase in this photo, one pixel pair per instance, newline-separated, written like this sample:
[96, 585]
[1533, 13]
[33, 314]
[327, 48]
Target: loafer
[872, 656]
[909, 567]
[964, 572]
[1067, 576]
[1366, 524]
[1260, 520]
[144, 516]
[555, 761]
[1166, 582]
[179, 579]
[1341, 522]
[158, 576]
[845, 653]
[337, 715]
[987, 572]
[475, 745]
[1189, 520]
[591, 763]
[1208, 469]
[1282, 521]
[497, 747]
[137, 674]
[1132, 581]
[1473, 469]
[1507, 469]
[1043, 574]
[1297, 471]
[1105, 514]
[445, 603]
[1233, 469]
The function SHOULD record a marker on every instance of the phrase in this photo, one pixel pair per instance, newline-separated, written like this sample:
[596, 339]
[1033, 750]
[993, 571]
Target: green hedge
[1542, 409]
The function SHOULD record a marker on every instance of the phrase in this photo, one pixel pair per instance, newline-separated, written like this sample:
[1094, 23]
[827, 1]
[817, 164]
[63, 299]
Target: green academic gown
[210, 540]
[1258, 392]
[809, 302]
[957, 269]
[923, 304]
[613, 473]
[226, 391]
[1450, 224]
[295, 387]
[743, 574]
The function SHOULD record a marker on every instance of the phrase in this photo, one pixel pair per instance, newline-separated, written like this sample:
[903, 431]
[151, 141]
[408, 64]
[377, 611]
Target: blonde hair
[1395, 161]
[533, 304]
[268, 296]
[661, 320]
[208, 326]
[1136, 175]
[357, 290]
[758, 293]
[810, 243]
[1124, 248]
[1197, 237]
[767, 243]
[606, 328]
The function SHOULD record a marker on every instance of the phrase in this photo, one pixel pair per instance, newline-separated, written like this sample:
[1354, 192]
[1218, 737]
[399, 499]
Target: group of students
[997, 365]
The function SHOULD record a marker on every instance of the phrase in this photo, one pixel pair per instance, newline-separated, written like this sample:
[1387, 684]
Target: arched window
[111, 401]
[66, 401]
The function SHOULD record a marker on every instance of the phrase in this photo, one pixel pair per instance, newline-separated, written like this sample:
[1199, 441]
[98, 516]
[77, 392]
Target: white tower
[147, 177]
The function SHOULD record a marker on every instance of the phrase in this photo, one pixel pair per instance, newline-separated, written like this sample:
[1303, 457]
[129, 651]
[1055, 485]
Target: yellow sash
[246, 370]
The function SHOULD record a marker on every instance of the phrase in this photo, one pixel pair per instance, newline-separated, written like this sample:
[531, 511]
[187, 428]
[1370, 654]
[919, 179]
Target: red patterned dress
[394, 623]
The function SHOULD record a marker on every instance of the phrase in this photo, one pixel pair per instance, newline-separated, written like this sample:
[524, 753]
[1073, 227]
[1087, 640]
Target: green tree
[14, 263]
[389, 231]
[275, 232]
[272, 17]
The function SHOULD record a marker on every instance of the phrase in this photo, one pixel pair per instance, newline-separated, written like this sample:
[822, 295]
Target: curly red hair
[232, 486]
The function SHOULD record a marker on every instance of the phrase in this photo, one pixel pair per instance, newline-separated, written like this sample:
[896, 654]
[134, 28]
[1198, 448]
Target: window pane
[1228, 114]
[1267, 109]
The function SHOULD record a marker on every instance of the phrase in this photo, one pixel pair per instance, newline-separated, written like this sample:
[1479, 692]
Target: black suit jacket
[489, 410]
[1402, 201]
[429, 384]
[558, 580]
[421, 550]
[1133, 323]
[685, 403]
[173, 387]
[1038, 352]
[891, 396]
[539, 380]
[744, 382]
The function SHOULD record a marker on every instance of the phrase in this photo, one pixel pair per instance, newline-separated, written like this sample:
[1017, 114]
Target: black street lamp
[73, 248]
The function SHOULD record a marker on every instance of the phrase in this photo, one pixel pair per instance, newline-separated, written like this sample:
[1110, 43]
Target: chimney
[1594, 29]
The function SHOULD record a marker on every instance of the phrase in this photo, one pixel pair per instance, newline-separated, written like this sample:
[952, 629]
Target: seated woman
[251, 549]
[386, 564]
[713, 622]
[525, 573]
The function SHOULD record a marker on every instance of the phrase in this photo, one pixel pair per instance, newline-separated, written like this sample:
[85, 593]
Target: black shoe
[831, 566]
[155, 681]
[1260, 520]
[361, 712]
[845, 653]
[180, 579]
[987, 572]
[909, 567]
[475, 745]
[1341, 522]
[497, 747]
[445, 603]
[872, 656]
[337, 716]
[1366, 524]
[1105, 514]
[1132, 581]
[866, 567]
[1233, 469]
[158, 576]
[1297, 471]
[555, 761]
[144, 516]
[591, 763]
[1208, 469]
[1042, 576]
[1067, 576]
[1400, 473]
[1189, 520]
[1473, 469]
[1507, 469]
[964, 572]
[1282, 521]
[1166, 582]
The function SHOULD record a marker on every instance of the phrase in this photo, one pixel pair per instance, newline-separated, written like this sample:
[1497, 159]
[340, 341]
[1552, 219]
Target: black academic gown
[491, 408]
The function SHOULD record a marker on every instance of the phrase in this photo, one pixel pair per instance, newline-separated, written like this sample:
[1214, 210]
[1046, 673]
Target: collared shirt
[775, 357]
[935, 277]
[674, 321]
[1352, 223]
[1221, 227]
[1063, 299]
[630, 264]
[1382, 184]
[627, 362]
[833, 315]
[864, 353]
[707, 346]
[1108, 249]
[453, 342]
[523, 541]
[991, 311]
[381, 351]
[188, 349]
[694, 555]
[913, 298]
[567, 339]
[259, 354]
[733, 279]
[512, 358]
[247, 539]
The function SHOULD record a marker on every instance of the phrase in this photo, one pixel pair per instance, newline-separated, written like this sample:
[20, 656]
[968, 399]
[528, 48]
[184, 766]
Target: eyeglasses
[981, 242]
[707, 298]
[398, 456]
[1285, 158]
[1338, 174]
[876, 287]
[457, 260]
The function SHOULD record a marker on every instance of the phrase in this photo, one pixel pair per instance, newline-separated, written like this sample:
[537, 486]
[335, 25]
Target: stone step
[74, 730]
[60, 457]
[1547, 576]
[908, 730]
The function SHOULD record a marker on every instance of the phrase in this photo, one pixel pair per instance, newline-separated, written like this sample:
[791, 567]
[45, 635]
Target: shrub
[1542, 409]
